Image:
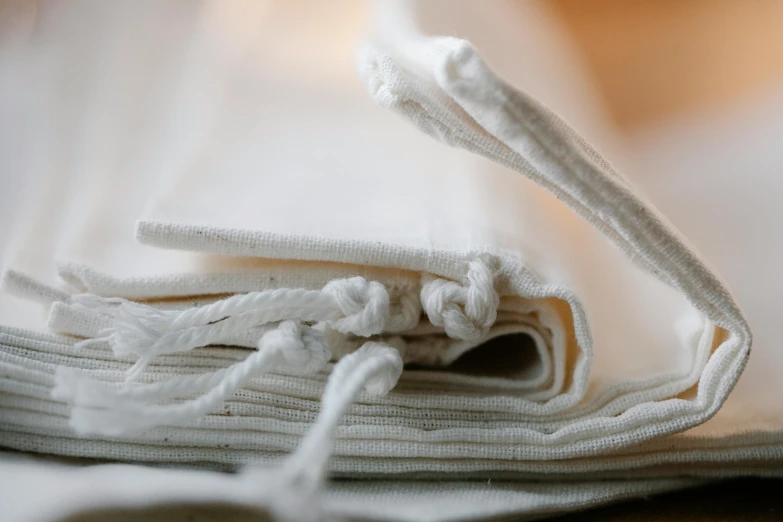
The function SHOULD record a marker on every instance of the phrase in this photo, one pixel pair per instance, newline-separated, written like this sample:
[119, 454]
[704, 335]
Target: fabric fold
[261, 266]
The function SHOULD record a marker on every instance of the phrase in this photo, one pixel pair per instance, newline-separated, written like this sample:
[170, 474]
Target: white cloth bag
[296, 169]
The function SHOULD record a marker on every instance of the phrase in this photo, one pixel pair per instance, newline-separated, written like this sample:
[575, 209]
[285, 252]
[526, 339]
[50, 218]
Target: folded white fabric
[113, 489]
[283, 221]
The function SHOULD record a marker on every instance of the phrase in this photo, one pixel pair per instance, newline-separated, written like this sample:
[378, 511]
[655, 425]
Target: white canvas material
[297, 241]
[114, 488]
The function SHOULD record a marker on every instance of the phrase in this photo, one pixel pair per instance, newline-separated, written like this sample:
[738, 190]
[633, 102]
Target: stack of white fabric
[316, 288]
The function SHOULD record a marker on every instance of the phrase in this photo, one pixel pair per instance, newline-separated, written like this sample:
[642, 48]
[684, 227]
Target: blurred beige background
[654, 59]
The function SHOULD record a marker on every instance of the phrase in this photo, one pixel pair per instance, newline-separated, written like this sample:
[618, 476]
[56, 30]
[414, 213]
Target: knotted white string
[351, 305]
[294, 495]
[465, 311]
[102, 409]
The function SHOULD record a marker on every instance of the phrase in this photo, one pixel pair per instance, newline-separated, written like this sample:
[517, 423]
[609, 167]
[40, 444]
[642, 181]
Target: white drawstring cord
[374, 368]
[465, 311]
[351, 305]
[106, 410]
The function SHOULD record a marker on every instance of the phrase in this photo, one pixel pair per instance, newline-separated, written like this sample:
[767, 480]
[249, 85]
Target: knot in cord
[466, 311]
[300, 350]
[365, 305]
[352, 305]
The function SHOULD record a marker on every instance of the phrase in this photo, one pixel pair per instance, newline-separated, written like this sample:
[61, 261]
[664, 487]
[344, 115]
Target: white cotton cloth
[249, 156]
[111, 488]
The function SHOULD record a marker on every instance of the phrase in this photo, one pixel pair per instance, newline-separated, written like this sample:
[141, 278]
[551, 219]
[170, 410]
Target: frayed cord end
[94, 341]
[106, 410]
[74, 387]
[97, 303]
[96, 409]
[107, 422]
